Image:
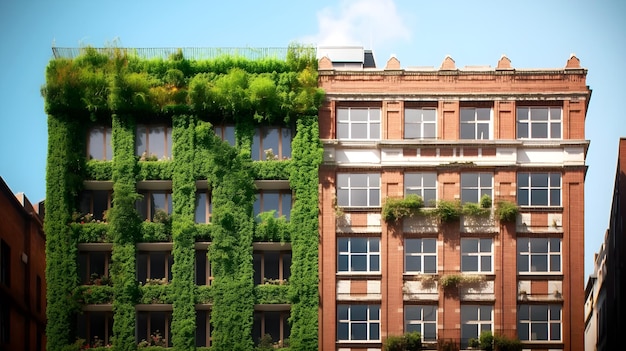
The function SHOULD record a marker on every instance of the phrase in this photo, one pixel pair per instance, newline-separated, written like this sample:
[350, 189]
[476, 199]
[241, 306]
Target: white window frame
[373, 122]
[480, 255]
[551, 320]
[414, 184]
[480, 322]
[369, 254]
[525, 117]
[417, 114]
[419, 324]
[478, 187]
[530, 188]
[421, 254]
[475, 122]
[371, 321]
[372, 185]
[525, 254]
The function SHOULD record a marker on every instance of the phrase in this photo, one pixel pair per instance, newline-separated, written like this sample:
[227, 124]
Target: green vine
[395, 209]
[448, 211]
[507, 211]
[114, 88]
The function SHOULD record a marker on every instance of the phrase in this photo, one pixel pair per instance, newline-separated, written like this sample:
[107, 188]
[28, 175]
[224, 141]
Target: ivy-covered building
[451, 204]
[182, 198]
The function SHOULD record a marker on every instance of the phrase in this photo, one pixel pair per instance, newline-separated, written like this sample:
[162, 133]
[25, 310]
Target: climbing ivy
[303, 290]
[113, 87]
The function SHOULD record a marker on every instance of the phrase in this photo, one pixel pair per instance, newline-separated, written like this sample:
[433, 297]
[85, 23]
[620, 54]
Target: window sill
[541, 208]
[361, 209]
[359, 275]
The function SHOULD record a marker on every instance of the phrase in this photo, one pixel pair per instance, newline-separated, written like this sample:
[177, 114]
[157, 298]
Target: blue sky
[532, 33]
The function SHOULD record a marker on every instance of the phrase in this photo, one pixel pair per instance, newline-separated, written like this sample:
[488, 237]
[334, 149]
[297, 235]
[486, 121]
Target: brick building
[605, 310]
[451, 135]
[22, 273]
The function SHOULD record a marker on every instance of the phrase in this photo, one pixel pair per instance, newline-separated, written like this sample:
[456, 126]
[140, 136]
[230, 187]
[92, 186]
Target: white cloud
[368, 23]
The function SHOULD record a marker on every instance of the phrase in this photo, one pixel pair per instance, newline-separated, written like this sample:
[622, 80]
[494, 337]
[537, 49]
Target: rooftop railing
[188, 53]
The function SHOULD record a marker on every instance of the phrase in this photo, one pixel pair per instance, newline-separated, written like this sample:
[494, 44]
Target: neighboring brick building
[451, 134]
[22, 274]
[605, 309]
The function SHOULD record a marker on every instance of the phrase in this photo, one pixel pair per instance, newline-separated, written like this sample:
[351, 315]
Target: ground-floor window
[421, 319]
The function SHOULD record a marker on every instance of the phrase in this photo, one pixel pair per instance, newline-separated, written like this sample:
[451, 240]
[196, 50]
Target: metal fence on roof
[188, 53]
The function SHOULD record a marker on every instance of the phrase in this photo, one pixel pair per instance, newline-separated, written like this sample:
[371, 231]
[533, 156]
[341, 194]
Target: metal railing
[188, 53]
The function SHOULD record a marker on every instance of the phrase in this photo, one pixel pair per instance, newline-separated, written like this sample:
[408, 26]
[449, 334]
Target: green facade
[118, 89]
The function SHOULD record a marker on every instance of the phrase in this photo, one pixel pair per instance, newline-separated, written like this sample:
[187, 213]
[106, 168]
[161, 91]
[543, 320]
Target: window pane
[555, 331]
[522, 130]
[141, 145]
[374, 263]
[358, 312]
[374, 197]
[467, 131]
[359, 131]
[342, 331]
[374, 131]
[374, 331]
[343, 131]
[342, 197]
[522, 180]
[539, 130]
[539, 197]
[539, 114]
[485, 313]
[539, 263]
[469, 313]
[412, 115]
[485, 263]
[469, 245]
[483, 114]
[286, 142]
[555, 197]
[539, 313]
[485, 245]
[522, 113]
[430, 130]
[469, 263]
[469, 180]
[109, 145]
[229, 134]
[359, 264]
[374, 114]
[539, 331]
[342, 263]
[413, 264]
[430, 313]
[430, 264]
[412, 313]
[96, 143]
[200, 214]
[359, 197]
[539, 179]
[555, 263]
[359, 331]
[555, 130]
[469, 195]
[467, 114]
[342, 244]
[430, 331]
[157, 141]
[270, 141]
[342, 114]
[429, 245]
[482, 131]
[359, 114]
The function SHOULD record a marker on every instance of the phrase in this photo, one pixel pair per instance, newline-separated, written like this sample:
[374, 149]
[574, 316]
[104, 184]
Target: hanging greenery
[114, 88]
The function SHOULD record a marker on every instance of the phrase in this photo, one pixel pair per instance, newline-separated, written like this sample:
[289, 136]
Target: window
[226, 133]
[358, 322]
[538, 122]
[538, 255]
[420, 123]
[271, 143]
[475, 319]
[421, 319]
[358, 123]
[154, 265]
[204, 275]
[93, 266]
[153, 142]
[475, 123]
[476, 255]
[358, 254]
[539, 322]
[154, 327]
[358, 189]
[420, 255]
[203, 328]
[273, 200]
[539, 189]
[203, 207]
[153, 202]
[96, 202]
[5, 264]
[422, 184]
[274, 323]
[96, 328]
[99, 143]
[475, 185]
[271, 266]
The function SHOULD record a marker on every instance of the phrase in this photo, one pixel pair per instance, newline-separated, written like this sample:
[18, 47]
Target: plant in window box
[483, 208]
[156, 281]
[506, 211]
[473, 343]
[450, 280]
[448, 211]
[161, 216]
[523, 294]
[427, 280]
[395, 209]
[269, 155]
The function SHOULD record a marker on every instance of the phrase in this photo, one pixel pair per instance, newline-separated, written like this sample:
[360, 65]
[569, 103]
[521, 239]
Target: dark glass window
[93, 266]
[358, 322]
[154, 265]
[475, 123]
[420, 255]
[271, 266]
[539, 122]
[99, 143]
[154, 327]
[539, 322]
[95, 327]
[153, 142]
[96, 203]
[271, 143]
[421, 319]
[152, 202]
[358, 254]
[272, 323]
[273, 200]
[539, 189]
[226, 133]
[203, 207]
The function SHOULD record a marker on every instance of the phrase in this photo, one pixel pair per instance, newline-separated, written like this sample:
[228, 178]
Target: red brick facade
[502, 156]
[22, 277]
